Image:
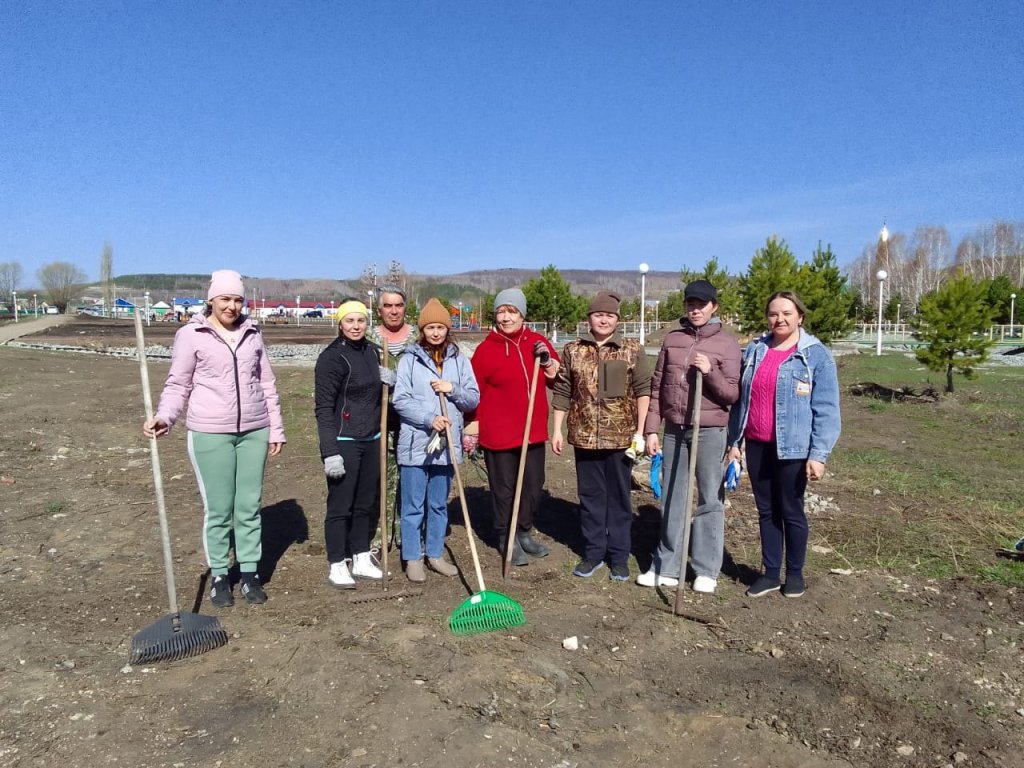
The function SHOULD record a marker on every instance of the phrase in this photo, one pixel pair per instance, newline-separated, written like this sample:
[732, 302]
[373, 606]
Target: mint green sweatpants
[229, 470]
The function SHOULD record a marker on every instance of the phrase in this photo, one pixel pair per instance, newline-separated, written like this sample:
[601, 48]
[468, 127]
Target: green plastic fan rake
[484, 611]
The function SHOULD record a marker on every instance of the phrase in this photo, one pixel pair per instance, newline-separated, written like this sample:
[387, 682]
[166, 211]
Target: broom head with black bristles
[177, 636]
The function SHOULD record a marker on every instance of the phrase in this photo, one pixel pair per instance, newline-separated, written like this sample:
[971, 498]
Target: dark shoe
[619, 573]
[531, 546]
[763, 586]
[252, 590]
[220, 592]
[587, 568]
[518, 555]
[794, 586]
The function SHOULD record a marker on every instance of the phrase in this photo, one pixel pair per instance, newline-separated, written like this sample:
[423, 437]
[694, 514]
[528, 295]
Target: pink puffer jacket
[226, 392]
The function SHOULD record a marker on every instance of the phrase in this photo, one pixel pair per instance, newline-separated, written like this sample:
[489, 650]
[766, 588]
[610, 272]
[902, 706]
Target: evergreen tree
[947, 321]
[672, 308]
[999, 291]
[823, 289]
[549, 300]
[773, 268]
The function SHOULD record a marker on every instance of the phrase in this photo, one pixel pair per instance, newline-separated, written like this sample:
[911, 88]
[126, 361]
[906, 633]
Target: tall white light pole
[881, 275]
[644, 269]
[147, 308]
[298, 309]
[35, 307]
[1013, 301]
[15, 295]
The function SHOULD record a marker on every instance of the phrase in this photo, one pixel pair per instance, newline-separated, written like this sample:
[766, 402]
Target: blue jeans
[424, 505]
[707, 540]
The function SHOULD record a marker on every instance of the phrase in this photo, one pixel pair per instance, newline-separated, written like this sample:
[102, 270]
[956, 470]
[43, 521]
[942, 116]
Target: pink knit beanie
[225, 282]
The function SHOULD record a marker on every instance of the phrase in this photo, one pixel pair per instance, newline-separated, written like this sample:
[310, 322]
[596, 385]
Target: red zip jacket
[503, 366]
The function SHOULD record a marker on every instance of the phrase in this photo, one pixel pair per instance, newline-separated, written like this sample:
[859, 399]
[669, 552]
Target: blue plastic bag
[656, 475]
[733, 473]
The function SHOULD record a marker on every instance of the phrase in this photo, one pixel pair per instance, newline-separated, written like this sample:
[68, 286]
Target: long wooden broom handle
[509, 541]
[384, 473]
[462, 495]
[684, 547]
[154, 455]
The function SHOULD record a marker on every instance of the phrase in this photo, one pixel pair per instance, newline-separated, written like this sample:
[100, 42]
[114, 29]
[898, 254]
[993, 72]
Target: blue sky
[292, 139]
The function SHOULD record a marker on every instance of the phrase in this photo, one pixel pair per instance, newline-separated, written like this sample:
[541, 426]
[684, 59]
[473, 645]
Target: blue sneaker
[619, 573]
[587, 568]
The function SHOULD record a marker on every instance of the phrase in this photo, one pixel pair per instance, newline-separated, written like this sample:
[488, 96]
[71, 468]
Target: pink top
[761, 417]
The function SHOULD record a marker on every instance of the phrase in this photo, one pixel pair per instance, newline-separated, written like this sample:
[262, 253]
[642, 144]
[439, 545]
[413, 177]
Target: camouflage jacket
[599, 386]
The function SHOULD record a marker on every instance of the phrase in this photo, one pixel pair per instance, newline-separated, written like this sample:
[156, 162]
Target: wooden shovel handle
[510, 539]
[462, 495]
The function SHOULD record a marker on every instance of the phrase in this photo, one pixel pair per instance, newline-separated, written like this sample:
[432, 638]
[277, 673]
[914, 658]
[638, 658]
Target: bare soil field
[866, 670]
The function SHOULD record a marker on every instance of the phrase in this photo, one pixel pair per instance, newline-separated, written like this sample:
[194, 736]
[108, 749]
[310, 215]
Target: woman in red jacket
[503, 365]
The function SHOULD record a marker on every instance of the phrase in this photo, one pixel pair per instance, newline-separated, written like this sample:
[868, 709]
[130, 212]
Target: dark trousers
[502, 470]
[352, 499]
[606, 512]
[779, 486]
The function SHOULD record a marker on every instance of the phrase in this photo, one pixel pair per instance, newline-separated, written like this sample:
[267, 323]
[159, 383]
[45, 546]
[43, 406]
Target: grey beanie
[513, 297]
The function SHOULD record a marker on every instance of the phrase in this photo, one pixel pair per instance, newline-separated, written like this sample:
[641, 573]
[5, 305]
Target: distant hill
[451, 287]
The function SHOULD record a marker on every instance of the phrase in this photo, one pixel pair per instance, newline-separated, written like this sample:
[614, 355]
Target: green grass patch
[949, 475]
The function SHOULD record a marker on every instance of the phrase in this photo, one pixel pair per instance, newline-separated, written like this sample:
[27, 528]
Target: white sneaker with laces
[363, 567]
[339, 577]
[652, 579]
[705, 584]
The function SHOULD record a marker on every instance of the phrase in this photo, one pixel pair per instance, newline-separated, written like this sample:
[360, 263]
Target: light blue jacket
[807, 419]
[418, 404]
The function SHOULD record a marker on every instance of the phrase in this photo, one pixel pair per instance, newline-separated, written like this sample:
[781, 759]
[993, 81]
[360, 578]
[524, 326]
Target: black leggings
[352, 500]
[502, 470]
[779, 486]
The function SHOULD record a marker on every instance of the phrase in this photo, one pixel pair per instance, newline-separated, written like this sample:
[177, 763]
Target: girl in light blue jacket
[431, 367]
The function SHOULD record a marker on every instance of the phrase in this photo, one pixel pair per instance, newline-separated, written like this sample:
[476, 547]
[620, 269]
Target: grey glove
[334, 467]
[540, 351]
[387, 376]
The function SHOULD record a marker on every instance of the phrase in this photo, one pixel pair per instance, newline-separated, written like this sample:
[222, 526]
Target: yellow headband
[353, 305]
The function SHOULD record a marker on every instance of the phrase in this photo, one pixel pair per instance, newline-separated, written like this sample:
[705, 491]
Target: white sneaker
[651, 579]
[339, 577]
[363, 567]
[705, 584]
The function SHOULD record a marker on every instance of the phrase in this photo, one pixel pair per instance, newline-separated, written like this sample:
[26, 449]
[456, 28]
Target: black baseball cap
[700, 289]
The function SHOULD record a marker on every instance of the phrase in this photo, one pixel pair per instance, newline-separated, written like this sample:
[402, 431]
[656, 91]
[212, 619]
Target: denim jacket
[806, 399]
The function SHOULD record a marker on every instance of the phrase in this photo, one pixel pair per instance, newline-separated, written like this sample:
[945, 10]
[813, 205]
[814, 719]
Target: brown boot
[414, 571]
[442, 566]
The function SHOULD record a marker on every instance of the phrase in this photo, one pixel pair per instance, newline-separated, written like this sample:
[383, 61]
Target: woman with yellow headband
[348, 379]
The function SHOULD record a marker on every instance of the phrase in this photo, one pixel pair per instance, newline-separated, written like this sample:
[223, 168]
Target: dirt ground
[865, 670]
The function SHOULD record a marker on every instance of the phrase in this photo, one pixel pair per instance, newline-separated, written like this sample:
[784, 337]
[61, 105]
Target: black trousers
[352, 500]
[779, 486]
[606, 512]
[502, 470]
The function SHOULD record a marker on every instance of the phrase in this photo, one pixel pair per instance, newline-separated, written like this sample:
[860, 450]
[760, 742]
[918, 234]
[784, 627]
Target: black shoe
[252, 590]
[587, 568]
[763, 586]
[619, 573]
[518, 555]
[531, 546]
[220, 592]
[794, 586]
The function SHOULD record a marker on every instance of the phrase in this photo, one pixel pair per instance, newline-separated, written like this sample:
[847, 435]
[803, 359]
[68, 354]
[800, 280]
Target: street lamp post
[898, 305]
[35, 305]
[881, 275]
[460, 315]
[147, 308]
[1013, 301]
[369, 294]
[15, 295]
[298, 309]
[644, 269]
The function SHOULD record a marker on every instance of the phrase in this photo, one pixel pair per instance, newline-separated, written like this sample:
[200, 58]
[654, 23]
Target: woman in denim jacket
[788, 418]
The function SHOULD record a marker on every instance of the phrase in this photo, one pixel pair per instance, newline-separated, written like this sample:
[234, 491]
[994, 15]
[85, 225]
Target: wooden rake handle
[684, 545]
[384, 473]
[510, 539]
[462, 495]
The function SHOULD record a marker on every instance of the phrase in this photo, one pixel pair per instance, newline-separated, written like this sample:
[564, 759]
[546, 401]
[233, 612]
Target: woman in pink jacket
[220, 369]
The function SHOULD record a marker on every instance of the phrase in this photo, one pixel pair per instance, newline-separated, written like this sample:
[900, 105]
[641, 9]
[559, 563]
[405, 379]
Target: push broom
[179, 634]
[484, 611]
